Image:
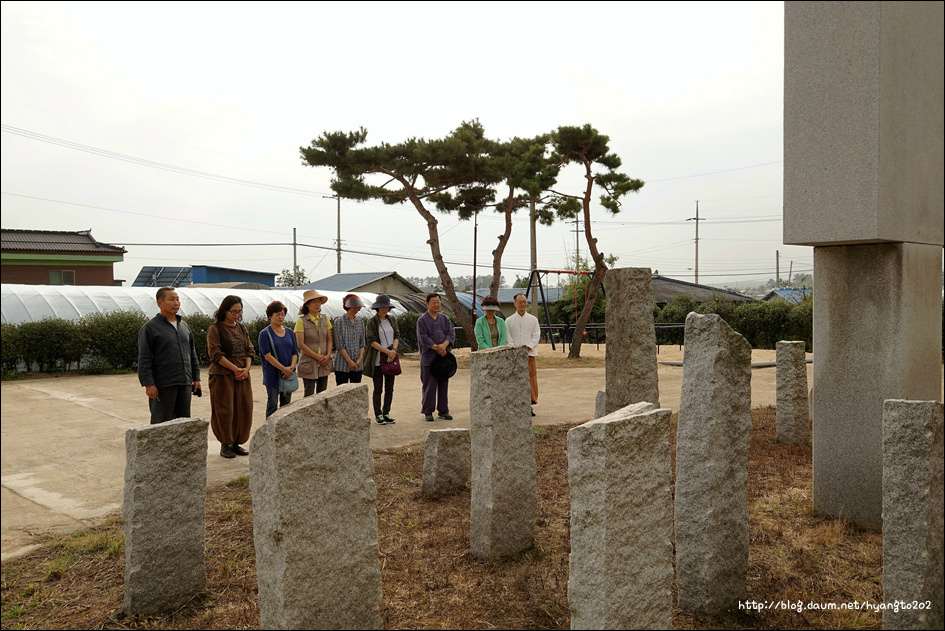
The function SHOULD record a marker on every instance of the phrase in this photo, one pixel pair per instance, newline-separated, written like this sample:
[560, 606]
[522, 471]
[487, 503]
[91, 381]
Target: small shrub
[462, 341]
[113, 336]
[35, 346]
[674, 312]
[9, 348]
[255, 328]
[801, 323]
[70, 340]
[720, 306]
[52, 344]
[199, 323]
[407, 326]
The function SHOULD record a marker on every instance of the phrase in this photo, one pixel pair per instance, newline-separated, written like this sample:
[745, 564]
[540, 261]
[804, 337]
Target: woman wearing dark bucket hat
[383, 337]
[349, 342]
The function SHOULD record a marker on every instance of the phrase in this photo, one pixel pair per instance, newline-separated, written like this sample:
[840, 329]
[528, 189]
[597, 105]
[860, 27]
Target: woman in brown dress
[231, 393]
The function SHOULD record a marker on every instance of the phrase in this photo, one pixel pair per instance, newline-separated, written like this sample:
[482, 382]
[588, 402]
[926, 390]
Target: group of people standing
[170, 373]
[435, 334]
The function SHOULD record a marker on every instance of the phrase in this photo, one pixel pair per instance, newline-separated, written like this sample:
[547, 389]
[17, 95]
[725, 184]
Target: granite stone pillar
[504, 501]
[792, 417]
[863, 184]
[631, 339]
[712, 439]
[913, 512]
[600, 403]
[315, 514]
[164, 513]
[445, 461]
[884, 343]
[620, 478]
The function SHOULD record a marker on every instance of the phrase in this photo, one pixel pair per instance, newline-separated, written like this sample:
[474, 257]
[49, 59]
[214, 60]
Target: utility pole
[577, 245]
[295, 264]
[790, 274]
[338, 241]
[697, 220]
[534, 258]
[475, 249]
[777, 269]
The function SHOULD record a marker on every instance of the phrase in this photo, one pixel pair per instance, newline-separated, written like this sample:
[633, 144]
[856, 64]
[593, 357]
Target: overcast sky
[166, 123]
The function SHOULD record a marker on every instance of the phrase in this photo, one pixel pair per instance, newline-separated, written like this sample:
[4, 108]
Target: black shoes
[239, 451]
[380, 420]
[428, 417]
[446, 416]
[533, 411]
[227, 451]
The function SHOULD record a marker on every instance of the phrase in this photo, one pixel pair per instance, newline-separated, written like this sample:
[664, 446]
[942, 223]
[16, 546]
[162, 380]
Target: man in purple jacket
[434, 335]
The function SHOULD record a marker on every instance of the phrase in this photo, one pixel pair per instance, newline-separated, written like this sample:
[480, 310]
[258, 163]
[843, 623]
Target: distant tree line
[462, 283]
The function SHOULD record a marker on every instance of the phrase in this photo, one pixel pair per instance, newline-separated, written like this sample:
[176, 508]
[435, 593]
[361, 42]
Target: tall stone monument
[913, 512]
[315, 514]
[164, 512]
[713, 434]
[631, 339]
[504, 503]
[863, 184]
[620, 574]
[792, 416]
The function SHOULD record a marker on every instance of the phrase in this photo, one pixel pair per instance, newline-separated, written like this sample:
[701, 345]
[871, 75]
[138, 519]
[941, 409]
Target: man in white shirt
[524, 330]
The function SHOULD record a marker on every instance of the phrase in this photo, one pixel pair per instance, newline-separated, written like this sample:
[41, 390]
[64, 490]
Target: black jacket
[166, 356]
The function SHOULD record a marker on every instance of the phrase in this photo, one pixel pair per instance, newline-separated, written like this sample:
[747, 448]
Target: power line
[683, 177]
[151, 163]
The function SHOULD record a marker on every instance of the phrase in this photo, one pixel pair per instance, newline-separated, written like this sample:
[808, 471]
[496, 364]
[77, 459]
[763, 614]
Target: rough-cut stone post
[445, 461]
[793, 412]
[504, 502]
[863, 184]
[620, 479]
[315, 514]
[712, 439]
[631, 339]
[913, 513]
[600, 403]
[164, 512]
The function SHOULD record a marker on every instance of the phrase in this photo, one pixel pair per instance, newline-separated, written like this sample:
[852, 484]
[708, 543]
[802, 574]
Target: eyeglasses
[236, 312]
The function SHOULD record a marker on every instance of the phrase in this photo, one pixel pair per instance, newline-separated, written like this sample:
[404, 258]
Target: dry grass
[431, 581]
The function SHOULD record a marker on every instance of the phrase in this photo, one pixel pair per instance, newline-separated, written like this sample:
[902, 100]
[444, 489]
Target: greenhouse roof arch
[32, 303]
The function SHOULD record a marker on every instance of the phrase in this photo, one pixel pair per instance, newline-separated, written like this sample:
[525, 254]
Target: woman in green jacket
[382, 340]
[490, 330]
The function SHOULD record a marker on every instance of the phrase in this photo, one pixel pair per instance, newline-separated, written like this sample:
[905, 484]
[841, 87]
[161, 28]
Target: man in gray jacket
[167, 360]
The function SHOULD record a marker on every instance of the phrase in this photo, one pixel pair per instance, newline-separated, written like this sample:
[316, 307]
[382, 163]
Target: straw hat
[310, 295]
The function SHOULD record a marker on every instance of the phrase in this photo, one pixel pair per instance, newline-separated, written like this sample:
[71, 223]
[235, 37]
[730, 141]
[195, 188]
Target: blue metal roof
[794, 295]
[350, 281]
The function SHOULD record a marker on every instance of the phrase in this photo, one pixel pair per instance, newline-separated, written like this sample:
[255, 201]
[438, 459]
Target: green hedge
[763, 324]
[113, 337]
[104, 342]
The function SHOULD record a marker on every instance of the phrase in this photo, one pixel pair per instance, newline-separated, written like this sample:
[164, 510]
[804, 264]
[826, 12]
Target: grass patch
[429, 578]
[243, 480]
